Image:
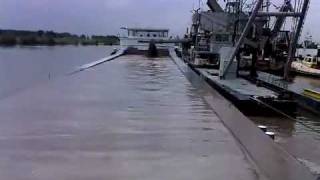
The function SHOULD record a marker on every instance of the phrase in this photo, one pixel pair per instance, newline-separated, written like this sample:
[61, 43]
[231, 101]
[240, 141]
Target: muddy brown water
[22, 68]
[130, 118]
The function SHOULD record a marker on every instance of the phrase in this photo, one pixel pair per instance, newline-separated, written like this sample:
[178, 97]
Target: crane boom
[214, 6]
[286, 7]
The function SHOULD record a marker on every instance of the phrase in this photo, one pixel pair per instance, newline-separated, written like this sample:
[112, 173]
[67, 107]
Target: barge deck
[251, 99]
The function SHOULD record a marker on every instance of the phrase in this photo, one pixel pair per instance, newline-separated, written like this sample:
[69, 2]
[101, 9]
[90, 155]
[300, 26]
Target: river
[130, 118]
[22, 67]
[25, 67]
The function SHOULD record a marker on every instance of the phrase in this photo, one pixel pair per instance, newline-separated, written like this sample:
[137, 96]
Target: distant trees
[105, 40]
[40, 33]
[8, 40]
[28, 40]
[83, 36]
[13, 37]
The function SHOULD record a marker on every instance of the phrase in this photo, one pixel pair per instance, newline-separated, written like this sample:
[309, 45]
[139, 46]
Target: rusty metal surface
[131, 118]
[276, 163]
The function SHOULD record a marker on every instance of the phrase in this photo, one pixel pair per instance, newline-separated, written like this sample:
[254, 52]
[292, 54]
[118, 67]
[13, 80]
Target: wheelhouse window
[154, 33]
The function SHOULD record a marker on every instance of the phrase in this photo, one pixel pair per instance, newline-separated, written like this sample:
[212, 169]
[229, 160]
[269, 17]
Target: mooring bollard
[271, 135]
[263, 128]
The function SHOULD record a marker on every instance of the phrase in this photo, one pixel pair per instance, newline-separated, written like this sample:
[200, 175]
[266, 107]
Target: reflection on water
[300, 137]
[162, 86]
[25, 66]
[159, 83]
[154, 87]
[284, 127]
[305, 124]
[300, 83]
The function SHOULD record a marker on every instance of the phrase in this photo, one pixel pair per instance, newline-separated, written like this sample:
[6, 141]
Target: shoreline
[56, 45]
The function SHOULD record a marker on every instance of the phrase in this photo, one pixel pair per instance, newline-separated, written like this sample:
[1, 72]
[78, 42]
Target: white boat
[308, 66]
[139, 38]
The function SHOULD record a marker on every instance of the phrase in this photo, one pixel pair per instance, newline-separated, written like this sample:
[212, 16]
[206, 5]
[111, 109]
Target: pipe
[279, 14]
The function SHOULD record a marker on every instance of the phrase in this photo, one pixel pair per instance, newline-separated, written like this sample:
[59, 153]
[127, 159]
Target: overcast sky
[107, 16]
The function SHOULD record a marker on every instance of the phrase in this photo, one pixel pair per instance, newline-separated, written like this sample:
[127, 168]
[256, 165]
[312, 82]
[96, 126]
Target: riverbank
[23, 37]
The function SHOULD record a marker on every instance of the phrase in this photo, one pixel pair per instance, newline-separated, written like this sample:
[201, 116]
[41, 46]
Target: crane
[298, 12]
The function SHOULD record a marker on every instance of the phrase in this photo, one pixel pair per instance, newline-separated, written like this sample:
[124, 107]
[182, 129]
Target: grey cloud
[107, 16]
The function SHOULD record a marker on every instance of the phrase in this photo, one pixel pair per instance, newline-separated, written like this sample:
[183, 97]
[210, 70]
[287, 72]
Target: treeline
[21, 37]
